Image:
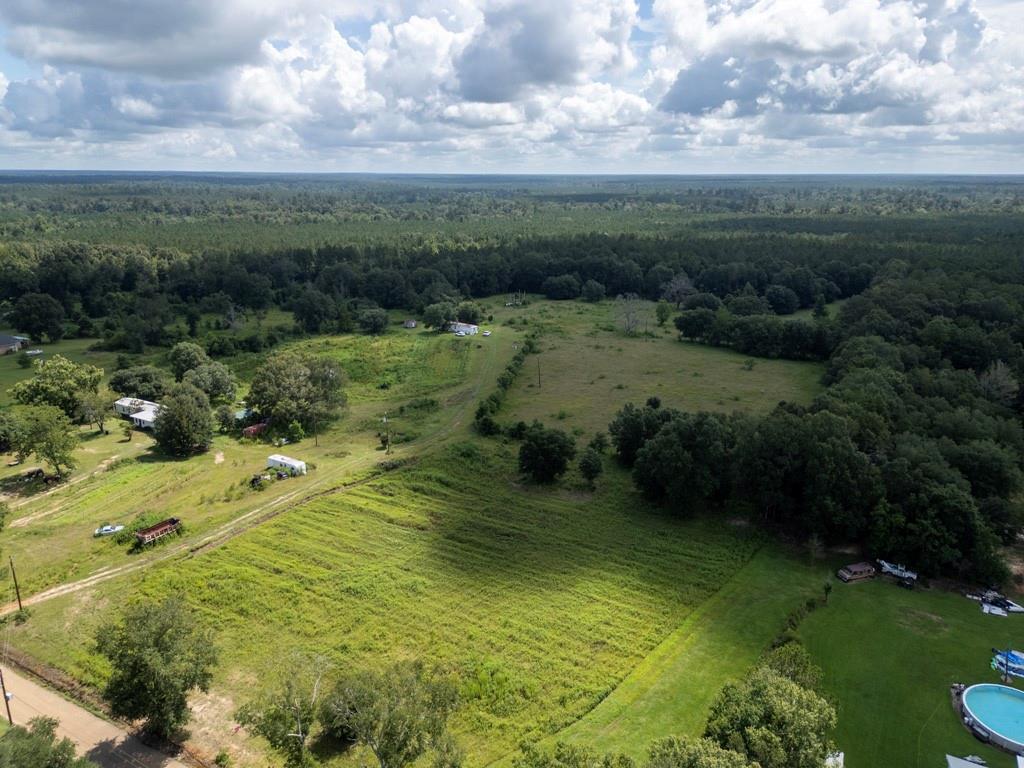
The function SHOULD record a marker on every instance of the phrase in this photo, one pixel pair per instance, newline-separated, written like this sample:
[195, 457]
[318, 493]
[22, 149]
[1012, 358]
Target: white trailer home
[464, 329]
[141, 413]
[286, 464]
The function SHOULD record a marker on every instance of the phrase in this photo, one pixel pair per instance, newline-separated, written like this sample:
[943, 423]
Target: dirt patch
[218, 457]
[923, 623]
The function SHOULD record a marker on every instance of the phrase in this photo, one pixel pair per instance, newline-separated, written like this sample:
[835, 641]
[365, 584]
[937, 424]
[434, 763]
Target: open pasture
[540, 601]
[588, 368]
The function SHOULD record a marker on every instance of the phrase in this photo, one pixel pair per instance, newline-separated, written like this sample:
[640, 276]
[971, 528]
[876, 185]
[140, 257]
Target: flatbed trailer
[158, 531]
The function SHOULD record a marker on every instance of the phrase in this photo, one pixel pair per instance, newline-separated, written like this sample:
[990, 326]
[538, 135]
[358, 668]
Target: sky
[514, 86]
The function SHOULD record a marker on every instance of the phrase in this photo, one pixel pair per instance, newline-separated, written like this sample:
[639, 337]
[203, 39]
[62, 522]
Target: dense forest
[911, 291]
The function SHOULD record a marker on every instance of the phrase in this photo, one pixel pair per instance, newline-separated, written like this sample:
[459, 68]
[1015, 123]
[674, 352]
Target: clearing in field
[588, 368]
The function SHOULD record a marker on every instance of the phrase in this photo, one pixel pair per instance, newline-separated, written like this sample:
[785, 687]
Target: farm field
[889, 657]
[49, 533]
[539, 614]
[589, 369]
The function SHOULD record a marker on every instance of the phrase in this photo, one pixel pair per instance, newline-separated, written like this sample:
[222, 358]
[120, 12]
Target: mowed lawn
[588, 368]
[889, 657]
[540, 601]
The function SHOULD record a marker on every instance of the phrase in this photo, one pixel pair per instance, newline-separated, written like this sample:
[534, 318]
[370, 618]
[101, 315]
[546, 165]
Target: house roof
[10, 341]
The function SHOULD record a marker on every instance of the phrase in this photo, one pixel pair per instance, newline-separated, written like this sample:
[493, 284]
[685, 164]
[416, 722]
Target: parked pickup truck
[107, 530]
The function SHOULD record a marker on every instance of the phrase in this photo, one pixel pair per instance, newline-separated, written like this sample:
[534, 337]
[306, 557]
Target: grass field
[588, 369]
[889, 658]
[539, 613]
[76, 350]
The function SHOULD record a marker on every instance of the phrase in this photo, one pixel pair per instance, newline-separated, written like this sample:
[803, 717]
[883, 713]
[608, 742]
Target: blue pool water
[999, 708]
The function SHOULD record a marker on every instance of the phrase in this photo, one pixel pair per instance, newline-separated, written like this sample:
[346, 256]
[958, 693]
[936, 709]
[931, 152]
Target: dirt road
[106, 744]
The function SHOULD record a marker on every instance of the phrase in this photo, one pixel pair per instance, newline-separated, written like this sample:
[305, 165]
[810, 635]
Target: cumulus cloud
[511, 83]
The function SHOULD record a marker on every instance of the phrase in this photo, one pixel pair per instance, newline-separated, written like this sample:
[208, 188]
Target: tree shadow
[325, 746]
[131, 751]
[25, 486]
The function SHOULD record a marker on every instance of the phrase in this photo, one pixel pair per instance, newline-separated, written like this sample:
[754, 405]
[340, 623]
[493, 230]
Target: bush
[545, 453]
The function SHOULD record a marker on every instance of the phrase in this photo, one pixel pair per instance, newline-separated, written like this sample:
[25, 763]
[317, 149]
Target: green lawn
[588, 368]
[889, 657]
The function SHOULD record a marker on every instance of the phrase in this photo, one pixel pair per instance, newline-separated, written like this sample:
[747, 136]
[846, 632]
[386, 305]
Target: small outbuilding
[409, 324]
[286, 463]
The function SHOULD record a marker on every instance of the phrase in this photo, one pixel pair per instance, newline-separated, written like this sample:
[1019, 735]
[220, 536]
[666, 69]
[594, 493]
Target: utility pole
[387, 435]
[538, 373]
[7, 698]
[17, 589]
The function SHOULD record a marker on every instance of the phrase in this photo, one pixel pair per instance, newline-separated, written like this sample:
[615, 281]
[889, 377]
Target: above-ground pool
[999, 710]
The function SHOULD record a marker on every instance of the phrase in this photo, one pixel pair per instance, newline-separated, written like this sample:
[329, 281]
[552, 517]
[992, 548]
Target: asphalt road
[105, 743]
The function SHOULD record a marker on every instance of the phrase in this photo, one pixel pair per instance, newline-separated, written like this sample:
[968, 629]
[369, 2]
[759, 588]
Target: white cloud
[513, 84]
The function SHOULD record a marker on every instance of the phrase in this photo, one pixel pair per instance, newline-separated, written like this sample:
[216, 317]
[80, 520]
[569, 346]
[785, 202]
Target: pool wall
[978, 726]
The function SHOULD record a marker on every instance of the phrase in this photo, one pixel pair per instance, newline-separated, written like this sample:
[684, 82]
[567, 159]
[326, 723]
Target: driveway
[106, 744]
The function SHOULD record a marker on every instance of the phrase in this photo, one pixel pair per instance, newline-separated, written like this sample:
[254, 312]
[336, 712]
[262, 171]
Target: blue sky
[684, 86]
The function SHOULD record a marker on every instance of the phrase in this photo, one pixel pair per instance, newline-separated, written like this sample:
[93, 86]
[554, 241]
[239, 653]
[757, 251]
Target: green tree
[60, 383]
[662, 312]
[772, 721]
[215, 379]
[687, 460]
[286, 712]
[96, 408]
[373, 321]
[568, 756]
[793, 661]
[291, 386]
[693, 753]
[545, 453]
[225, 417]
[158, 654]
[591, 465]
[38, 747]
[468, 312]
[39, 315]
[592, 291]
[184, 424]
[45, 431]
[313, 310]
[146, 382]
[781, 299]
[399, 713]
[440, 315]
[186, 356]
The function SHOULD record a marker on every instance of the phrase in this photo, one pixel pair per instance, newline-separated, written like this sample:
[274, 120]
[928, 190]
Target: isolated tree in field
[373, 321]
[591, 465]
[287, 709]
[146, 382]
[399, 713]
[772, 721]
[215, 379]
[629, 308]
[158, 653]
[545, 453]
[184, 424]
[60, 383]
[440, 315]
[568, 756]
[39, 315]
[185, 356]
[96, 408]
[46, 432]
[662, 312]
[38, 747]
[592, 291]
[693, 753]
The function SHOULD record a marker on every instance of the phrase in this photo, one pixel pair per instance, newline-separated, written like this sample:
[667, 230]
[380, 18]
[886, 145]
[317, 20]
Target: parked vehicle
[856, 572]
[108, 530]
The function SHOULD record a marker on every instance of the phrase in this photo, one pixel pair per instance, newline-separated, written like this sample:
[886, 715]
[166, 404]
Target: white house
[466, 329]
[11, 344]
[293, 466]
[142, 413]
